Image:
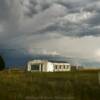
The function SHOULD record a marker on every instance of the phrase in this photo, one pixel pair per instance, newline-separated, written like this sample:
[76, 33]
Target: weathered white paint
[38, 62]
[50, 67]
[62, 65]
[47, 66]
[29, 67]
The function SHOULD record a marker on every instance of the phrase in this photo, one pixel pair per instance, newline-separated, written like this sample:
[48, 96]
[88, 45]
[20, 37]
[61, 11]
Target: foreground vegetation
[20, 85]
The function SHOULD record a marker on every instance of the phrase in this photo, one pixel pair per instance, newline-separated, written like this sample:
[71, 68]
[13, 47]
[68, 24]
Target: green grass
[20, 85]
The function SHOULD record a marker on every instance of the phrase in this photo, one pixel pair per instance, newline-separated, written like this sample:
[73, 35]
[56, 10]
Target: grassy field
[20, 85]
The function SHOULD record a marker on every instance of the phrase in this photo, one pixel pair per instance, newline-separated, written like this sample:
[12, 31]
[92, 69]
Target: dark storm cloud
[94, 20]
[8, 16]
[35, 7]
[11, 12]
[47, 25]
[77, 9]
[31, 11]
[4, 10]
[74, 18]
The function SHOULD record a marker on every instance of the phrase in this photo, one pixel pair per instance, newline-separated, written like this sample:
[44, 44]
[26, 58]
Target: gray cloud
[47, 24]
[41, 15]
[9, 15]
[81, 17]
[4, 10]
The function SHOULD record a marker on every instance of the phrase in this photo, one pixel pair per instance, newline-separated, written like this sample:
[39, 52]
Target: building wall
[62, 67]
[48, 66]
[42, 65]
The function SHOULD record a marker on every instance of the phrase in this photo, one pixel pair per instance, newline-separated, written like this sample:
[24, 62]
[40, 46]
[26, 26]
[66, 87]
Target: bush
[2, 63]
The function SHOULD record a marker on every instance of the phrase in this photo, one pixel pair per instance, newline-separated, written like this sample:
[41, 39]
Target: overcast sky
[66, 27]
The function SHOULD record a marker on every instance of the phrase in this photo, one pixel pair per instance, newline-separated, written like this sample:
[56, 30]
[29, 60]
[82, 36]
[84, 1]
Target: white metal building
[47, 66]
